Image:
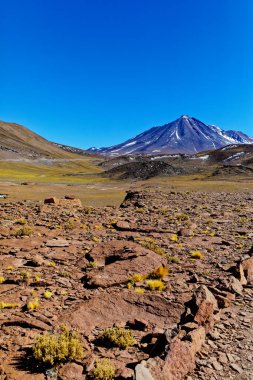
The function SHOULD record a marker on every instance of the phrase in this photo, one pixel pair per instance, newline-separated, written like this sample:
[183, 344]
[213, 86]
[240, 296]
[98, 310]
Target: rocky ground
[90, 269]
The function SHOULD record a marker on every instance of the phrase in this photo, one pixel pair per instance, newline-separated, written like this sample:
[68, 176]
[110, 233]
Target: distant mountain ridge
[184, 135]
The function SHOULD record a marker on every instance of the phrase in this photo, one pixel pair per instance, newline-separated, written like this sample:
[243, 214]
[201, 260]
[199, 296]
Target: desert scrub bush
[104, 370]
[54, 348]
[173, 259]
[163, 211]
[37, 278]
[153, 245]
[140, 210]
[155, 285]
[139, 290]
[173, 237]
[33, 304]
[6, 305]
[51, 264]
[118, 336]
[91, 265]
[158, 273]
[196, 255]
[21, 221]
[70, 224]
[64, 273]
[137, 278]
[87, 210]
[23, 231]
[47, 294]
[25, 277]
[2, 279]
[182, 217]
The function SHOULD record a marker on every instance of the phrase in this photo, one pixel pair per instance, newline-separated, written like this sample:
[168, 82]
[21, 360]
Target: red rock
[247, 266]
[70, 197]
[207, 307]
[52, 200]
[57, 243]
[117, 307]
[71, 371]
[70, 203]
[122, 226]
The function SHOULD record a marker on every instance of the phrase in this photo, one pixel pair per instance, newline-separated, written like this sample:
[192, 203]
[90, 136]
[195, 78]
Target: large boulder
[118, 261]
[120, 307]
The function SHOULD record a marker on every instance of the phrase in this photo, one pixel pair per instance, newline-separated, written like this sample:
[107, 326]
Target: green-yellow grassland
[81, 178]
[67, 171]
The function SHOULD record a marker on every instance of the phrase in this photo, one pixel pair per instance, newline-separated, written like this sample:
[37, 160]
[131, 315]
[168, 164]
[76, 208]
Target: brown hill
[17, 141]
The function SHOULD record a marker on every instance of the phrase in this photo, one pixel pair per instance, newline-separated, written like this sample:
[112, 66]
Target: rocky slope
[184, 135]
[96, 265]
[232, 160]
[17, 141]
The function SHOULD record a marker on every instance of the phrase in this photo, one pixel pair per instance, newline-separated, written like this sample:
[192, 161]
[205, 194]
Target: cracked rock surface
[97, 264]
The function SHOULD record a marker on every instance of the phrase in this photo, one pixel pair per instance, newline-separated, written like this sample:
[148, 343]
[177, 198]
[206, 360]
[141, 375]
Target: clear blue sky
[96, 72]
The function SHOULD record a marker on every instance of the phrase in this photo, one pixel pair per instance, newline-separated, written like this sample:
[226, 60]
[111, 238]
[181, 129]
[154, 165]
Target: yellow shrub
[182, 217]
[24, 231]
[118, 336]
[2, 279]
[70, 224]
[33, 305]
[151, 244]
[25, 276]
[4, 305]
[51, 264]
[139, 210]
[173, 259]
[54, 348]
[155, 284]
[47, 294]
[196, 255]
[137, 278]
[104, 370]
[139, 290]
[21, 221]
[173, 237]
[159, 273]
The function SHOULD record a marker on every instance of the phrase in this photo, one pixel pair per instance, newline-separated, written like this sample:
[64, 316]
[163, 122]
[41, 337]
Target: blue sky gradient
[97, 72]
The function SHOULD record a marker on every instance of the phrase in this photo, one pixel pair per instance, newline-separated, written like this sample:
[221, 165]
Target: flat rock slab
[10, 261]
[122, 262]
[57, 243]
[120, 307]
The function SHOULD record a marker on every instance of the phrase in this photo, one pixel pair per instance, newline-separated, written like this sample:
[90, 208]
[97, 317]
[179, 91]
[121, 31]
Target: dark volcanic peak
[184, 135]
